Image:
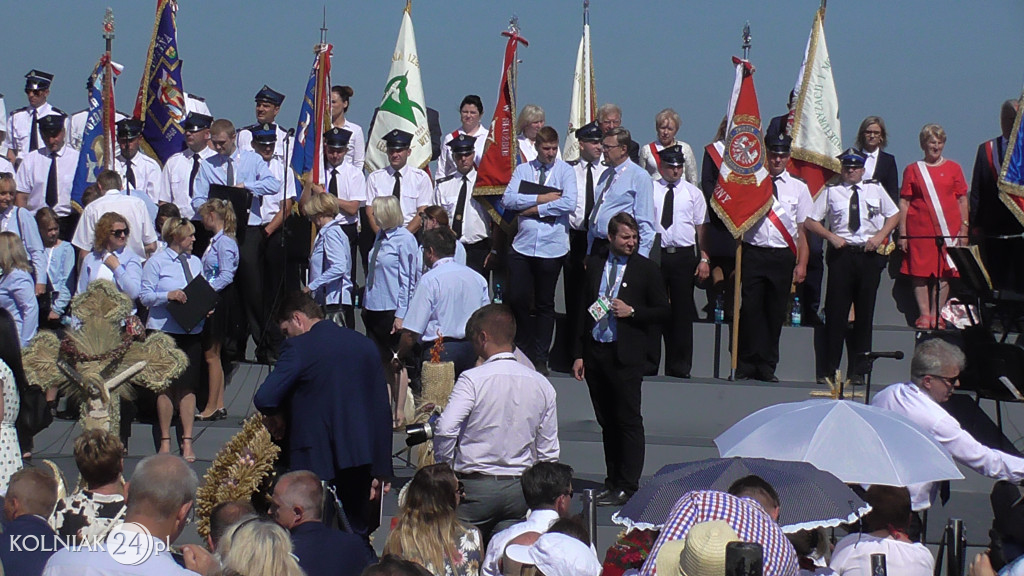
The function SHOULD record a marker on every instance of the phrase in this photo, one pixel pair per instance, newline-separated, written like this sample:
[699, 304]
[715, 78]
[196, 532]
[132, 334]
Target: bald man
[31, 496]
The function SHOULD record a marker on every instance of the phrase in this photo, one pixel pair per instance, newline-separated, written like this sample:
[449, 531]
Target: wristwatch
[632, 311]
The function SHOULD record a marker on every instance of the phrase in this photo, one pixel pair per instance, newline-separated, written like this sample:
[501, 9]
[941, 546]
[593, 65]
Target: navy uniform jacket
[324, 551]
[331, 382]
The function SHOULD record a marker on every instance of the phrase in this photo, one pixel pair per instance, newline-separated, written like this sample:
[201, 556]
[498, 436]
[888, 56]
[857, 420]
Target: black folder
[534, 189]
[241, 201]
[200, 298]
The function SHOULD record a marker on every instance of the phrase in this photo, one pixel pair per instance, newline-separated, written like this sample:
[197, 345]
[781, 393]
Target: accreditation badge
[599, 309]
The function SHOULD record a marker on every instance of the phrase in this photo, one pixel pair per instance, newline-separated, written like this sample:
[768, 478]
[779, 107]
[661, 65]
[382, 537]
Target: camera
[416, 434]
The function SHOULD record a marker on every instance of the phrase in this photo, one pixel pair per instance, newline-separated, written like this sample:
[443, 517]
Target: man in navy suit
[297, 505]
[28, 540]
[328, 397]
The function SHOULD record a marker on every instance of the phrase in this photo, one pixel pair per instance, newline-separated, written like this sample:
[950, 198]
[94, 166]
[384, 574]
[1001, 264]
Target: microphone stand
[284, 252]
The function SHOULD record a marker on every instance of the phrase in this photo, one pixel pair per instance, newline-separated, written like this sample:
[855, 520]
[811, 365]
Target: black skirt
[226, 317]
[378, 328]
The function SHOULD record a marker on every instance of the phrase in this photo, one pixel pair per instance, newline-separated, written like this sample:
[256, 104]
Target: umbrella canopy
[858, 443]
[810, 497]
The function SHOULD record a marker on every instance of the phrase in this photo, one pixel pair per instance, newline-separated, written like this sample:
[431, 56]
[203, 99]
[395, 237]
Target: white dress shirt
[875, 206]
[577, 220]
[689, 210]
[283, 146]
[77, 129]
[536, 521]
[141, 230]
[19, 128]
[356, 146]
[795, 202]
[265, 207]
[351, 185]
[34, 171]
[146, 171]
[852, 556]
[476, 223]
[417, 191]
[907, 399]
[175, 176]
[870, 161]
[481, 431]
[446, 163]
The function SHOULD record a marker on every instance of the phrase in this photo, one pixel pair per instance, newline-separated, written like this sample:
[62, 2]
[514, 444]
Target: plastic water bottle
[497, 293]
[719, 309]
[794, 313]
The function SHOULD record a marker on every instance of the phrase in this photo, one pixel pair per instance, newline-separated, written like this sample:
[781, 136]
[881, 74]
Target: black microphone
[897, 355]
[291, 132]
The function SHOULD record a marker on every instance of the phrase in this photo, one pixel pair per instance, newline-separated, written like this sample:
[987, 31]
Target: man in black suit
[624, 296]
[990, 217]
[328, 396]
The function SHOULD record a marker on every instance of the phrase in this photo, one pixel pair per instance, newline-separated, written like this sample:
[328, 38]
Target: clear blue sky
[910, 61]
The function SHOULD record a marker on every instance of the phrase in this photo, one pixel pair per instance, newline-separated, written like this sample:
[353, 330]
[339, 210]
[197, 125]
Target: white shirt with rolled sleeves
[795, 200]
[907, 399]
[481, 431]
[146, 171]
[417, 191]
[174, 179]
[833, 205]
[351, 185]
[536, 521]
[689, 210]
[445, 297]
[577, 220]
[141, 230]
[34, 171]
[476, 223]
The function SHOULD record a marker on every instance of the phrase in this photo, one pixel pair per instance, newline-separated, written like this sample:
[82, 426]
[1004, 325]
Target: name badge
[599, 309]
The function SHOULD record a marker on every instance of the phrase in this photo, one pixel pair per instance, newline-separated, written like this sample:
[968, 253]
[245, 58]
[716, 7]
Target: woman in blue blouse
[59, 257]
[330, 267]
[392, 274]
[110, 259]
[164, 278]
[17, 288]
[220, 261]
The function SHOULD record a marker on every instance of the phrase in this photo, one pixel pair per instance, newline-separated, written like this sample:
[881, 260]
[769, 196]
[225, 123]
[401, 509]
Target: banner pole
[736, 310]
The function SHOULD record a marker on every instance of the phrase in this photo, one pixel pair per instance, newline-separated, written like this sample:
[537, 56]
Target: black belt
[856, 248]
[765, 248]
[674, 249]
[482, 476]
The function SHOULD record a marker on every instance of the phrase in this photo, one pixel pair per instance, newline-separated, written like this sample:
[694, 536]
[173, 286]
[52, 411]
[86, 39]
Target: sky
[910, 61]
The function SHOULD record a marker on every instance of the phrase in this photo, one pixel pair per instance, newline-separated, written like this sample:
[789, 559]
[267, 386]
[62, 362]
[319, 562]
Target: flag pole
[737, 270]
[108, 90]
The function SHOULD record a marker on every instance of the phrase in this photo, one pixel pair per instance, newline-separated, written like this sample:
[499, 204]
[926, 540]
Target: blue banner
[91, 159]
[304, 155]
[161, 102]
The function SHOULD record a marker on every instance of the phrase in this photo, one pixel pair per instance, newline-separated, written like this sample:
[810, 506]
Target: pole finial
[323, 27]
[513, 25]
[746, 40]
[586, 12]
[108, 24]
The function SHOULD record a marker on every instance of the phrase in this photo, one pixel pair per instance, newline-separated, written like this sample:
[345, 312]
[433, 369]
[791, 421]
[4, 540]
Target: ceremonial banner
[583, 108]
[743, 193]
[403, 105]
[1011, 176]
[501, 150]
[161, 101]
[314, 118]
[98, 136]
[817, 138]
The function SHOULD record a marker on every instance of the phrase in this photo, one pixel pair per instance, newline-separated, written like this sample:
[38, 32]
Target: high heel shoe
[184, 454]
[219, 414]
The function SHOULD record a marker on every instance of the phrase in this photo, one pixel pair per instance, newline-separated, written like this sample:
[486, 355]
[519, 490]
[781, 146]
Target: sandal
[924, 322]
[161, 450]
[185, 453]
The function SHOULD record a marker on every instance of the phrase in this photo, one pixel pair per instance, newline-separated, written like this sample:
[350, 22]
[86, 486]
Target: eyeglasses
[872, 132]
[120, 232]
[612, 147]
[951, 380]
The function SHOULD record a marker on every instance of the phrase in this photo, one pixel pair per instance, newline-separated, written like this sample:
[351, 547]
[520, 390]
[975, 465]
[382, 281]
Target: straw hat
[701, 553]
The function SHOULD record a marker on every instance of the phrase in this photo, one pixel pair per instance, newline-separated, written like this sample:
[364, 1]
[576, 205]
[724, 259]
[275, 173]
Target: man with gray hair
[297, 505]
[934, 374]
[609, 116]
[161, 495]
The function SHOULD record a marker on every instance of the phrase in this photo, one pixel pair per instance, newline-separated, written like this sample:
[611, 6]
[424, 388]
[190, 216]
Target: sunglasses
[120, 232]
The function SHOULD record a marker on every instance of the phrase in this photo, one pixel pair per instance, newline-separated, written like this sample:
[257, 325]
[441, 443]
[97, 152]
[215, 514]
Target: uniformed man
[178, 178]
[138, 171]
[775, 256]
[861, 216]
[469, 219]
[47, 174]
[77, 126]
[588, 169]
[344, 181]
[268, 104]
[23, 135]
[410, 184]
[680, 216]
[539, 248]
[623, 187]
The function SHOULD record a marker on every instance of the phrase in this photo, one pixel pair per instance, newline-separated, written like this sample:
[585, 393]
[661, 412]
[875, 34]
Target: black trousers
[766, 277]
[67, 225]
[573, 279]
[275, 286]
[1003, 262]
[677, 269]
[615, 393]
[532, 279]
[353, 488]
[366, 239]
[249, 279]
[810, 290]
[352, 233]
[852, 279]
[476, 254]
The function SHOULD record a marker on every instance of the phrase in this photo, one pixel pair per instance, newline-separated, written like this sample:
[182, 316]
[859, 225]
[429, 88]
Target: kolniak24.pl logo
[130, 544]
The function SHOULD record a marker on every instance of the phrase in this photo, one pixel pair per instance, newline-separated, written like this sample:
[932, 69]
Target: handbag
[34, 415]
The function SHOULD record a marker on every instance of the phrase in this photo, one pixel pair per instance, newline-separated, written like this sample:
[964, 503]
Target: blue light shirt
[163, 273]
[607, 330]
[394, 271]
[630, 190]
[541, 236]
[444, 299]
[18, 296]
[220, 261]
[330, 271]
[60, 263]
[21, 222]
[250, 170]
[127, 276]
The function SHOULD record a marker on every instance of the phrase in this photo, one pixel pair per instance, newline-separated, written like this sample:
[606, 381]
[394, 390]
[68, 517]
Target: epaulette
[252, 127]
[22, 109]
[58, 110]
[86, 110]
[194, 97]
[795, 177]
[446, 178]
[872, 181]
[573, 162]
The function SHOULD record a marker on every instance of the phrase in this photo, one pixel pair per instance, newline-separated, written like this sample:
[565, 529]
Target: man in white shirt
[178, 178]
[489, 441]
[47, 174]
[23, 134]
[934, 374]
[547, 487]
[141, 232]
[138, 171]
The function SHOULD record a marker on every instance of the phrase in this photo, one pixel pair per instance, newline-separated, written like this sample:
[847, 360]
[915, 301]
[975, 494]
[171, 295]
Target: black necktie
[51, 182]
[183, 259]
[33, 140]
[192, 176]
[397, 190]
[543, 175]
[775, 187]
[129, 174]
[854, 210]
[668, 206]
[460, 207]
[333, 186]
[231, 172]
[588, 206]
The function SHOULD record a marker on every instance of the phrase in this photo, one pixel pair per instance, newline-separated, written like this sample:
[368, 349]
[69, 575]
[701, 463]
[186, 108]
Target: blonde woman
[531, 120]
[17, 288]
[330, 264]
[428, 531]
[220, 261]
[666, 125]
[256, 547]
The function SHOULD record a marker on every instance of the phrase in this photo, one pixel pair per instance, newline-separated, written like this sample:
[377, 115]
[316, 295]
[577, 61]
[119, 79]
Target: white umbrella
[857, 443]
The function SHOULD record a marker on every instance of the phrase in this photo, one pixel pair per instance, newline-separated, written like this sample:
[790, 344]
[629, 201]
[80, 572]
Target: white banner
[816, 132]
[583, 106]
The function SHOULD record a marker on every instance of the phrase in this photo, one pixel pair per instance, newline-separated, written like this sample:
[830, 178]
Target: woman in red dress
[933, 203]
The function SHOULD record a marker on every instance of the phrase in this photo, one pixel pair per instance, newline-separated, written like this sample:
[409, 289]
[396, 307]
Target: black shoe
[769, 378]
[743, 375]
[616, 498]
[542, 368]
[220, 414]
